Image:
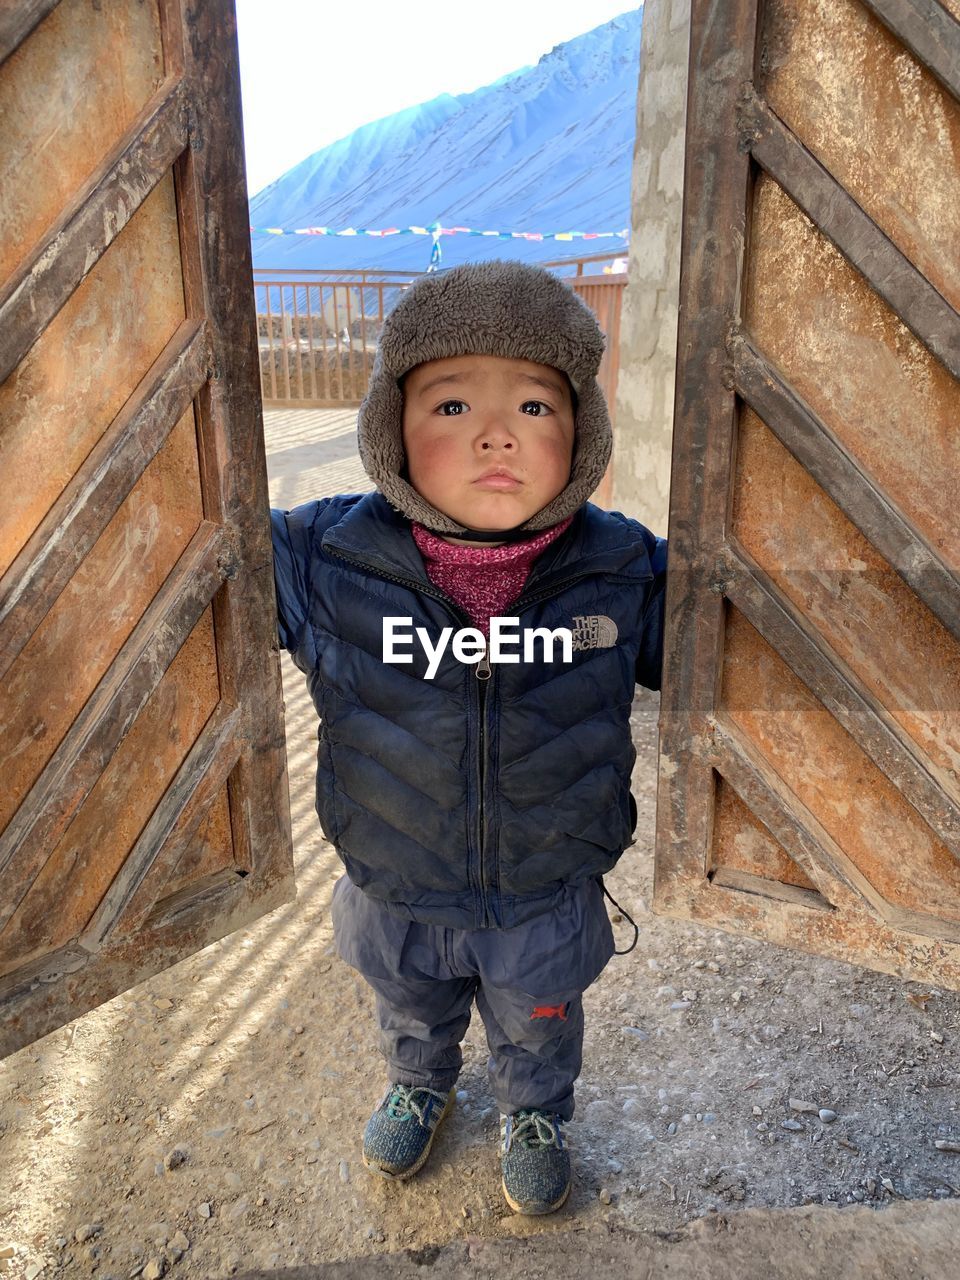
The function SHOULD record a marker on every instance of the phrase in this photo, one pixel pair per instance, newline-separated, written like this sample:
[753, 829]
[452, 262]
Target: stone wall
[648, 336]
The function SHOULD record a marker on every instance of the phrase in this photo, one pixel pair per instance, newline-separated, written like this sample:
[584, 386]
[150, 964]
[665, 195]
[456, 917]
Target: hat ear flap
[380, 427]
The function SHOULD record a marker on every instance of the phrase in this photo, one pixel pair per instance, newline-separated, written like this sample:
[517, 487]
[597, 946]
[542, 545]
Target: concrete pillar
[648, 334]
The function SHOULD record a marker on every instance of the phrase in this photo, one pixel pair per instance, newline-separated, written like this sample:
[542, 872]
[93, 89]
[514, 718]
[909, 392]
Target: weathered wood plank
[888, 271]
[805, 839]
[203, 895]
[138, 668]
[930, 33]
[43, 568]
[249, 814]
[716, 187]
[43, 971]
[50, 992]
[173, 823]
[91, 223]
[767, 797]
[18, 18]
[830, 680]
[745, 882]
[841, 476]
[218, 272]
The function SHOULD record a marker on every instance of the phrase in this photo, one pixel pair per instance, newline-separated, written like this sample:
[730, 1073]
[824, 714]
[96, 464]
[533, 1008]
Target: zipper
[484, 674]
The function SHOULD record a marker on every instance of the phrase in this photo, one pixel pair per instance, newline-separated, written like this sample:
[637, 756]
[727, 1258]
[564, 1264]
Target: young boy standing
[476, 803]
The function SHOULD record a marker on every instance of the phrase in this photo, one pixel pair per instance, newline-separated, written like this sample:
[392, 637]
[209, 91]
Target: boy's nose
[496, 435]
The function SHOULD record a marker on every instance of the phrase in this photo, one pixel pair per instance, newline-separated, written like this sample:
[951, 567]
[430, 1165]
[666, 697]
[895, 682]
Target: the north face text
[595, 631]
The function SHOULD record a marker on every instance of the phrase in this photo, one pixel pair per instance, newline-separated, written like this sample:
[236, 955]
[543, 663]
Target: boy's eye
[536, 408]
[450, 408]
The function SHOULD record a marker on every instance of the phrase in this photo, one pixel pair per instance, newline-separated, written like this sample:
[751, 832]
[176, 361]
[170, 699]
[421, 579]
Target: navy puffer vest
[461, 801]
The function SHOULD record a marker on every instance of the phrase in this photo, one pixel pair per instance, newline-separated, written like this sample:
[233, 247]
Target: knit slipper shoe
[400, 1133]
[535, 1162]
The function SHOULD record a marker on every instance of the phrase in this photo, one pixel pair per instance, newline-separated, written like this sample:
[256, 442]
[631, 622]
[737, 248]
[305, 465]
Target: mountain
[546, 148]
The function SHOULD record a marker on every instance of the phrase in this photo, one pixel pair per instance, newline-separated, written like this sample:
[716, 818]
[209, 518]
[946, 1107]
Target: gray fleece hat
[505, 309]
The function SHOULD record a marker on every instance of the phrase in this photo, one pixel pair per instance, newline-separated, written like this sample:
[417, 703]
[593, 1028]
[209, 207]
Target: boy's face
[489, 441]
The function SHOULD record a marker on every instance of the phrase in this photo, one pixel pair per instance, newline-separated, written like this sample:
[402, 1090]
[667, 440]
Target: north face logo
[596, 631]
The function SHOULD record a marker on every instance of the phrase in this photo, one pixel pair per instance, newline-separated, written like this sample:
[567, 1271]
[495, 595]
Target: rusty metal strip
[930, 33]
[717, 183]
[117, 700]
[193, 790]
[840, 475]
[831, 681]
[46, 564]
[18, 20]
[93, 220]
[888, 271]
[791, 823]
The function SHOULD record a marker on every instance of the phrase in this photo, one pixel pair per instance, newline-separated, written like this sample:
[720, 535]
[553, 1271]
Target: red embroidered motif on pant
[549, 1011]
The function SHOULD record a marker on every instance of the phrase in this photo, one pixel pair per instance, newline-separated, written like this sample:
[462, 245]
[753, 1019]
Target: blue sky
[313, 72]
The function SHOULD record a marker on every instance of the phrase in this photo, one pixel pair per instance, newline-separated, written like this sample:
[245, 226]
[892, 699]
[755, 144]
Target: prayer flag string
[436, 231]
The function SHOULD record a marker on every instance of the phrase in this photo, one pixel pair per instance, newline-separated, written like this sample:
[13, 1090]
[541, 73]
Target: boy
[476, 803]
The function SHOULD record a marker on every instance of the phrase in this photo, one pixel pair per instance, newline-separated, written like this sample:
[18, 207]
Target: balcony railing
[318, 330]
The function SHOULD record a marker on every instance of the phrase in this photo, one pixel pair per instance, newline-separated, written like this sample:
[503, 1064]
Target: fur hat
[497, 309]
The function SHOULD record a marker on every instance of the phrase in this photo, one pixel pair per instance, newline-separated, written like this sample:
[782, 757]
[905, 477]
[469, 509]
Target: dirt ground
[208, 1122]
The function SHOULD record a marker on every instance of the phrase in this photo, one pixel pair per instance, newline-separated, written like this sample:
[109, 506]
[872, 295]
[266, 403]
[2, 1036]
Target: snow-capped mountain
[547, 148]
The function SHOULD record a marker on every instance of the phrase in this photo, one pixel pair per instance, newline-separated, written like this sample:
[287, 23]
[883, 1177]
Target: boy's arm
[292, 542]
[650, 657]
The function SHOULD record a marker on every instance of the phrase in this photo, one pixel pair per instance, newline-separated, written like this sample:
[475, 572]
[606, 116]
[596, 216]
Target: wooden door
[810, 750]
[143, 807]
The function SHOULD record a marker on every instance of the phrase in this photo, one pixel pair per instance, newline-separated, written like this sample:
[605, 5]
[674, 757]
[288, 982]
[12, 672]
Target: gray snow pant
[527, 983]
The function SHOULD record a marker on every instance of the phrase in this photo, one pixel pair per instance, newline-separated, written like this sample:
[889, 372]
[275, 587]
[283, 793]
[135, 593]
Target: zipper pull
[483, 667]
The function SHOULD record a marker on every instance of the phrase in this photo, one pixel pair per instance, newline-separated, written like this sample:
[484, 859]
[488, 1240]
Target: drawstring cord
[636, 931]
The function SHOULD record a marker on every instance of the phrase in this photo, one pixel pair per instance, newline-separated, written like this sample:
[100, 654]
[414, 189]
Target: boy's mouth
[498, 478]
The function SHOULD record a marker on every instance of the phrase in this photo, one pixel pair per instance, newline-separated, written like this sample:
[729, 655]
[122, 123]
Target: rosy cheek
[432, 458]
[559, 450]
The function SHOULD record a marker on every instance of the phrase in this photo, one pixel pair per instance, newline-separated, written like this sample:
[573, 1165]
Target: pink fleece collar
[482, 580]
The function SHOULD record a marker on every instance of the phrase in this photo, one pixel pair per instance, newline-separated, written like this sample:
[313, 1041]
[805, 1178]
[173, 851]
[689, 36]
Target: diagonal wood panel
[86, 230]
[930, 33]
[841, 476]
[768, 692]
[18, 20]
[859, 239]
[203, 772]
[77, 519]
[784, 627]
[137, 670]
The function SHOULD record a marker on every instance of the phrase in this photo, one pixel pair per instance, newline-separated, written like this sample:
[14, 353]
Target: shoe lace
[413, 1101]
[535, 1129]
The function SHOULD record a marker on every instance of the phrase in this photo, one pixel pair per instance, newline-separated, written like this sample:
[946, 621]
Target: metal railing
[318, 330]
[318, 333]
